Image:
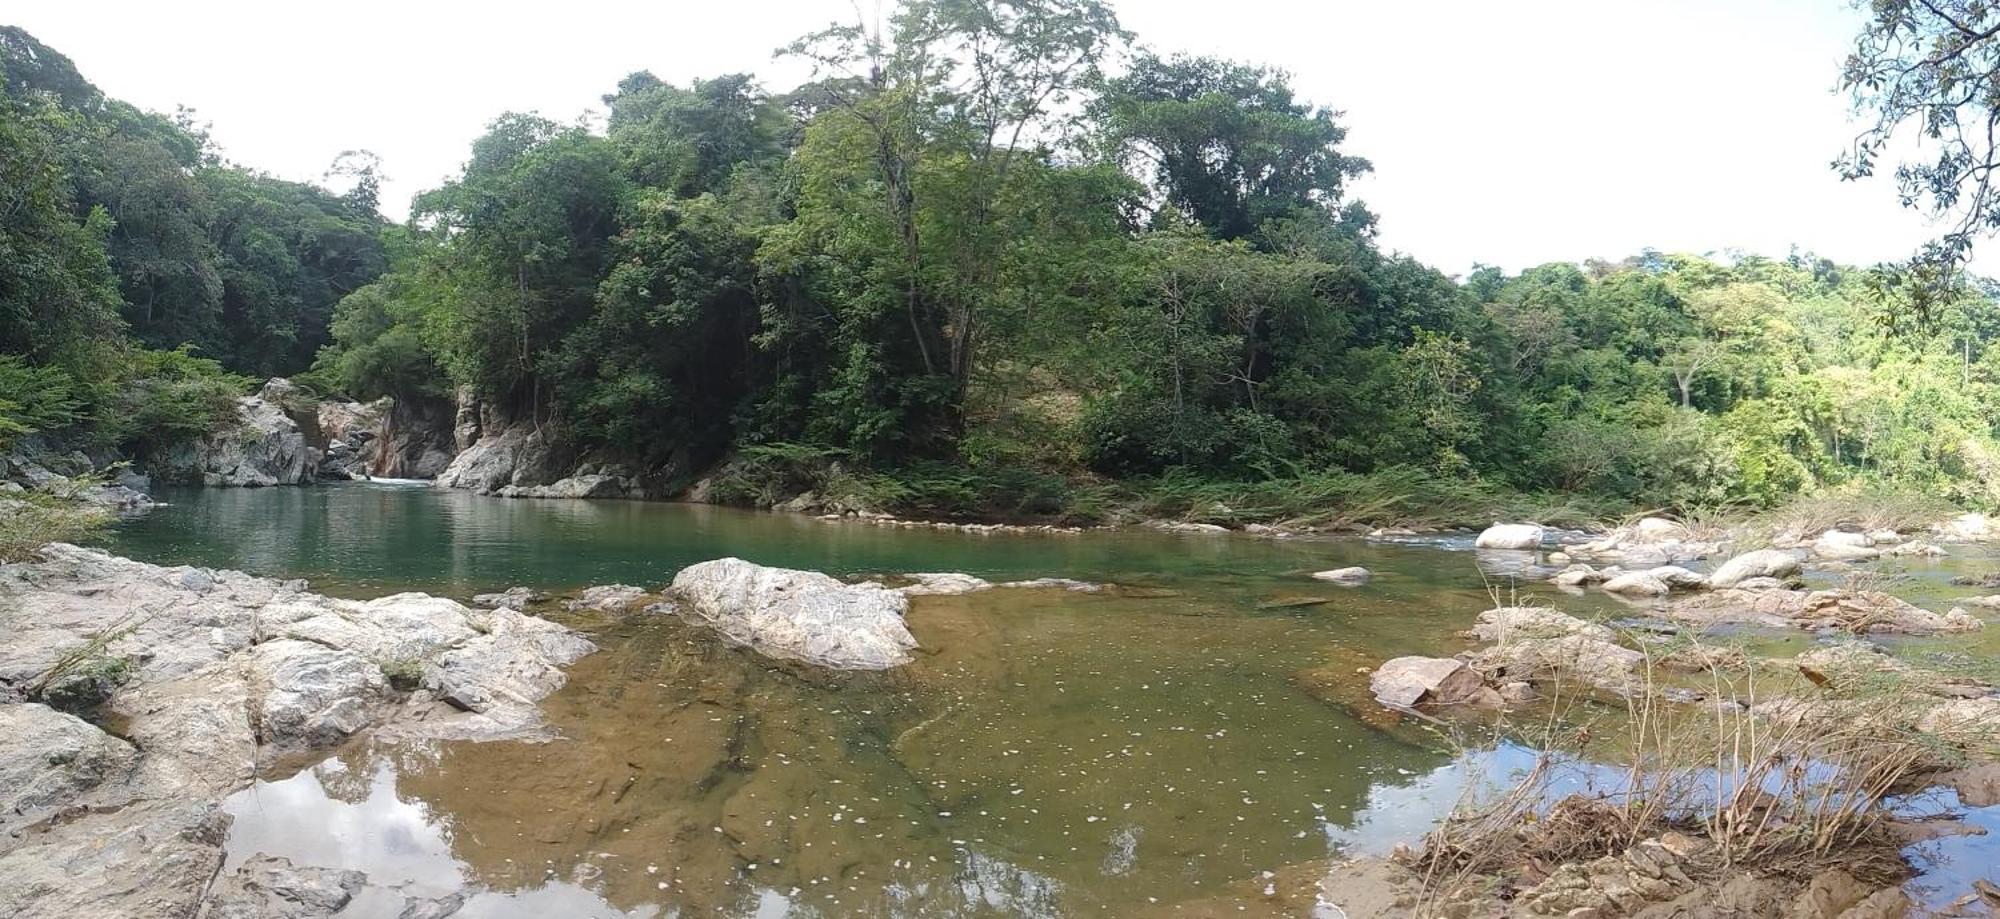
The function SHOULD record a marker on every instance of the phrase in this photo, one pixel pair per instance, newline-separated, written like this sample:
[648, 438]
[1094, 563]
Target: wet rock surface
[213, 675]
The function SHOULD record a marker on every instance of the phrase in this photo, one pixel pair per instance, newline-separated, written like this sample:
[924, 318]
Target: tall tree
[1225, 143]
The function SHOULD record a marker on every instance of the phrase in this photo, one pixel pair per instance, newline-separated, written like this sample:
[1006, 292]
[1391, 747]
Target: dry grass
[30, 521]
[1875, 509]
[1788, 795]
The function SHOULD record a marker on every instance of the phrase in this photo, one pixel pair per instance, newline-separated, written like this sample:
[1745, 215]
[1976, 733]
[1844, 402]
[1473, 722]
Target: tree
[968, 85]
[1225, 143]
[1931, 65]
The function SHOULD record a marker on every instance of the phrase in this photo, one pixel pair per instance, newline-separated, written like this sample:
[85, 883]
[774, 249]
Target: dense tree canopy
[982, 238]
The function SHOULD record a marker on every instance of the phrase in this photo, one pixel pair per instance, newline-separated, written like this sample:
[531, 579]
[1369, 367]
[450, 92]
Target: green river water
[1196, 741]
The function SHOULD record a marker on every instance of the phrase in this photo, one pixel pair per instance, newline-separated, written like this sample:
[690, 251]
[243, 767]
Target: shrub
[28, 522]
[168, 396]
[35, 398]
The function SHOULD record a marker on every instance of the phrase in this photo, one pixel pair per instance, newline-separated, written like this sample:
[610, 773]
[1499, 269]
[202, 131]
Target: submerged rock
[1510, 536]
[944, 583]
[797, 615]
[606, 598]
[1346, 577]
[514, 598]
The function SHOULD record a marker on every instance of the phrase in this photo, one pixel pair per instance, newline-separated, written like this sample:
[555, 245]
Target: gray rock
[1678, 578]
[1406, 682]
[1510, 536]
[264, 447]
[1182, 526]
[314, 696]
[518, 456]
[797, 615]
[606, 598]
[1086, 587]
[1763, 563]
[1636, 584]
[48, 758]
[593, 485]
[1354, 576]
[514, 598]
[267, 887]
[434, 908]
[1577, 576]
[226, 671]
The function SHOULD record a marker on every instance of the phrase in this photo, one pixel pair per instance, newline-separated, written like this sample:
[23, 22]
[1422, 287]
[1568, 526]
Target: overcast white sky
[1503, 133]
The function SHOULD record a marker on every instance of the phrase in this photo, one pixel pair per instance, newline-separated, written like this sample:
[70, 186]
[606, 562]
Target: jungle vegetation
[995, 259]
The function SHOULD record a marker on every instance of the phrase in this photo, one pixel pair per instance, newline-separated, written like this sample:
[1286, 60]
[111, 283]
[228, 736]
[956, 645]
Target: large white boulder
[798, 615]
[1763, 563]
[1967, 527]
[1511, 536]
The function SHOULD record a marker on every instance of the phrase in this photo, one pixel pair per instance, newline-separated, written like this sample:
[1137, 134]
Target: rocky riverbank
[134, 698]
[1844, 721]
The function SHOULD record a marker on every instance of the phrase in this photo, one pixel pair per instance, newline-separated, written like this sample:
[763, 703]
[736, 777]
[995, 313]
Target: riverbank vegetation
[989, 262]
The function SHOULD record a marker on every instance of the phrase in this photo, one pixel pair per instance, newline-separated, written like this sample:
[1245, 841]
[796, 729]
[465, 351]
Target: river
[1195, 740]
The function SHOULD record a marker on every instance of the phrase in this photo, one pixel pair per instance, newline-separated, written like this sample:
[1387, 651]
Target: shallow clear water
[1192, 743]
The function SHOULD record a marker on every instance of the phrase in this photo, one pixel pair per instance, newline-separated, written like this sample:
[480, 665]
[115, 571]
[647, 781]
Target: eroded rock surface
[264, 447]
[211, 674]
[1763, 563]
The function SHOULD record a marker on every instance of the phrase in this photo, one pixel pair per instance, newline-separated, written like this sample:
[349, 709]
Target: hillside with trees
[994, 261]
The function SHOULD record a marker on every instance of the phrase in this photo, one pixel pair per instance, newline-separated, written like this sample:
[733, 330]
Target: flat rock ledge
[210, 675]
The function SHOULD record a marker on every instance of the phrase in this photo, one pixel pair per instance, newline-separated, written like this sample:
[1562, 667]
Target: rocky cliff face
[513, 458]
[409, 438]
[266, 446]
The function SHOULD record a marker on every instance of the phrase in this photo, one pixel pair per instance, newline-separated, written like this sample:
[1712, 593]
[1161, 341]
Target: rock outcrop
[210, 675]
[804, 616]
[265, 446]
[1532, 643]
[1856, 611]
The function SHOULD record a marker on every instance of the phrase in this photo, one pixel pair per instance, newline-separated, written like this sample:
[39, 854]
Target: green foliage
[35, 398]
[963, 272]
[167, 396]
[30, 521]
[1226, 144]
